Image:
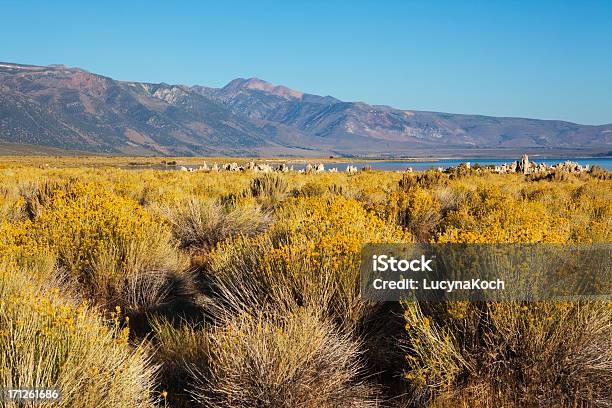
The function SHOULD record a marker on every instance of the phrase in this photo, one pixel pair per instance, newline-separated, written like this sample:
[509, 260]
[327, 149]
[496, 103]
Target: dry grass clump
[179, 348]
[269, 187]
[202, 224]
[539, 354]
[48, 342]
[426, 179]
[273, 359]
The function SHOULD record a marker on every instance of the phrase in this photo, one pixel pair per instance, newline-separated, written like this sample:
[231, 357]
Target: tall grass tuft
[48, 342]
[202, 224]
[269, 359]
[269, 188]
[539, 354]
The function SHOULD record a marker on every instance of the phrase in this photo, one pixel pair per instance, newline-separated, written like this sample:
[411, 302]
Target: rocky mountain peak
[257, 84]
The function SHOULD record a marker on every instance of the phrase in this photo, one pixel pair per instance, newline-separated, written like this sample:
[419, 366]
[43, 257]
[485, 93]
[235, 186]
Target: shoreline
[175, 163]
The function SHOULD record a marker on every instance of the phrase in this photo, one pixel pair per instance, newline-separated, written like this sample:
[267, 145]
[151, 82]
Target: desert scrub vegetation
[489, 354]
[270, 186]
[268, 358]
[106, 245]
[309, 257]
[242, 289]
[50, 342]
[509, 354]
[201, 224]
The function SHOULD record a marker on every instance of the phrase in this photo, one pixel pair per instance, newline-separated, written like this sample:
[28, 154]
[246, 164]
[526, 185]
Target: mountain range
[71, 108]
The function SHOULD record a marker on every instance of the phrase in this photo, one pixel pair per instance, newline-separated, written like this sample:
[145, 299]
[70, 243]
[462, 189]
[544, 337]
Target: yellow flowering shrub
[12, 235]
[334, 228]
[455, 346]
[415, 208]
[84, 223]
[102, 240]
[490, 216]
[323, 237]
[590, 213]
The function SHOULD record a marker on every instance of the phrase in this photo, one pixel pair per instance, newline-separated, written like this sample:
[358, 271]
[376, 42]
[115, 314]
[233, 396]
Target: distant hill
[70, 108]
[21, 149]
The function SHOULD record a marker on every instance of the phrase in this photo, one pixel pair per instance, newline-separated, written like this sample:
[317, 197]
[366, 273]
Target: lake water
[399, 165]
[605, 163]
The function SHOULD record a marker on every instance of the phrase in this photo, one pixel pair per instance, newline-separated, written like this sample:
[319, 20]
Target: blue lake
[397, 165]
[605, 163]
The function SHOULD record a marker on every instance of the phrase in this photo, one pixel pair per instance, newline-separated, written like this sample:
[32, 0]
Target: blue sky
[540, 59]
